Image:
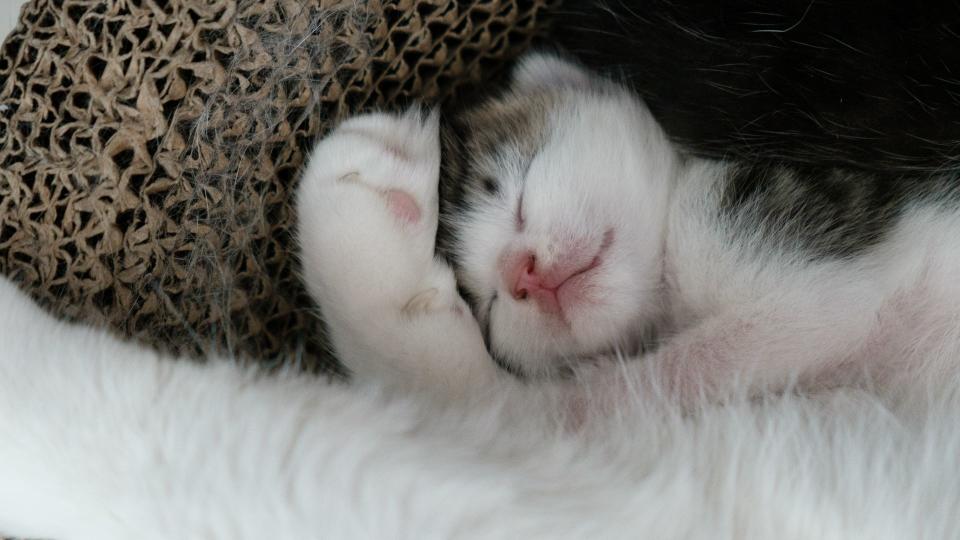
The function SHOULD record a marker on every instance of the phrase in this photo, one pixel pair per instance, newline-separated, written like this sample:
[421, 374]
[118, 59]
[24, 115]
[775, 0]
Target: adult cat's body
[106, 440]
[101, 440]
[865, 83]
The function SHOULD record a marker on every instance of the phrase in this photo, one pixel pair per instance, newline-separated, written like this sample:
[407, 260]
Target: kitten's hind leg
[367, 212]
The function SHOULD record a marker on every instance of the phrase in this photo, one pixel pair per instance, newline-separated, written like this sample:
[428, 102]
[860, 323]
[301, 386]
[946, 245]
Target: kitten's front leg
[744, 351]
[805, 337]
[367, 212]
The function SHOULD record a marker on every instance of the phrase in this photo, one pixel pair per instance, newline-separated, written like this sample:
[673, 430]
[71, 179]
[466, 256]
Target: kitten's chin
[561, 365]
[543, 345]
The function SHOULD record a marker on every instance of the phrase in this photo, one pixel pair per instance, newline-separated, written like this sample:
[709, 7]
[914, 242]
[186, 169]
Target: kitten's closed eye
[490, 185]
[519, 214]
[534, 221]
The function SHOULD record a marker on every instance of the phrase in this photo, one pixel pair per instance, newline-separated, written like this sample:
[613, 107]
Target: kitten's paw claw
[352, 176]
[422, 302]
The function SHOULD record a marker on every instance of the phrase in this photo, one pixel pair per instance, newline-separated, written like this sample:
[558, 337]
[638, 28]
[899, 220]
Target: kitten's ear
[540, 71]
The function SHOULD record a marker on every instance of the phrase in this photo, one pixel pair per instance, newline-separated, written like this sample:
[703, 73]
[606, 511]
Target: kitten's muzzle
[556, 285]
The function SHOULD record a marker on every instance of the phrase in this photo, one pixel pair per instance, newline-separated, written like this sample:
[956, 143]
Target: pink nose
[527, 281]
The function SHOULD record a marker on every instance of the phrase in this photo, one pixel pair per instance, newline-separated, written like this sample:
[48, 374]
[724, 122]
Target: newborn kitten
[574, 225]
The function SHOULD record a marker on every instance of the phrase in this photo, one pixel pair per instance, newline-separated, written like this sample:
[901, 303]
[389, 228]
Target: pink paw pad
[402, 206]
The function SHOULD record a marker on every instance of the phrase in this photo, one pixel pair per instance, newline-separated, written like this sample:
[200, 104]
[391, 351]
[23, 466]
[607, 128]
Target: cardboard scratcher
[150, 148]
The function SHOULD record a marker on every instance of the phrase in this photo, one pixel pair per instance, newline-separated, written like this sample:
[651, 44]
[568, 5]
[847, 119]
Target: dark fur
[797, 208]
[832, 213]
[474, 132]
[868, 83]
[833, 117]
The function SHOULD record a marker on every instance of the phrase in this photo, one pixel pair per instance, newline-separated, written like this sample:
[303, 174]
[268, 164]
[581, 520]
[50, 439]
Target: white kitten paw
[368, 207]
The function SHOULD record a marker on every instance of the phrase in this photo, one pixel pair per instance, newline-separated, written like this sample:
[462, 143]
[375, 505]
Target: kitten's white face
[560, 225]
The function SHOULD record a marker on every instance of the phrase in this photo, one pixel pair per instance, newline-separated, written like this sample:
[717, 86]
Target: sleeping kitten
[574, 225]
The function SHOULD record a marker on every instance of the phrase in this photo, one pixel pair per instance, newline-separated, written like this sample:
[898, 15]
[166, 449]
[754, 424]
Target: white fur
[101, 439]
[392, 310]
[567, 199]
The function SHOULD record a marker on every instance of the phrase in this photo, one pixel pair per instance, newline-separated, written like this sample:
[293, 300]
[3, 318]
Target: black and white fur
[866, 83]
[762, 271]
